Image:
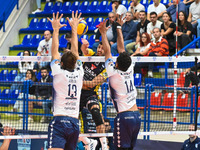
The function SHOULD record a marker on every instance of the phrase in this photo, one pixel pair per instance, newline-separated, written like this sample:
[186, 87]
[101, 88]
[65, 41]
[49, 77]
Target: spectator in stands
[30, 76]
[167, 31]
[135, 8]
[44, 49]
[7, 131]
[109, 130]
[68, 37]
[45, 93]
[157, 7]
[118, 8]
[143, 46]
[111, 32]
[187, 4]
[172, 9]
[23, 67]
[129, 31]
[193, 142]
[141, 28]
[38, 10]
[155, 23]
[194, 16]
[158, 47]
[184, 31]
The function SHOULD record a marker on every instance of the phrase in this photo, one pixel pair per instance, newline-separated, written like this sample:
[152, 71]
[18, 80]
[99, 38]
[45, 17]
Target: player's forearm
[55, 44]
[74, 41]
[106, 46]
[120, 41]
[5, 144]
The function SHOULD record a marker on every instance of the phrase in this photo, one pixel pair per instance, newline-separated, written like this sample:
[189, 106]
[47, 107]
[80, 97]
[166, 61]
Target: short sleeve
[189, 27]
[162, 26]
[40, 47]
[138, 27]
[55, 67]
[110, 67]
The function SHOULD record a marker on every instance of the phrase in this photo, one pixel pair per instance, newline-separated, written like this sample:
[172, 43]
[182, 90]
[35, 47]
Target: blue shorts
[63, 133]
[126, 129]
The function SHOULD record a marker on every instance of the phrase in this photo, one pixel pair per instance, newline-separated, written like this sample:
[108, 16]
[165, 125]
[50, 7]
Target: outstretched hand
[102, 27]
[120, 20]
[75, 20]
[56, 21]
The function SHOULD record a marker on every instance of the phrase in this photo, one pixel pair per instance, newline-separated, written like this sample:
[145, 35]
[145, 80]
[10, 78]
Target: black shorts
[88, 101]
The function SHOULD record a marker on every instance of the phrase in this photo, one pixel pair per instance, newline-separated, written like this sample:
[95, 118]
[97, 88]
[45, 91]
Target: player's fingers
[54, 16]
[72, 14]
[79, 16]
[76, 14]
[49, 19]
[68, 20]
[81, 19]
[57, 14]
[60, 16]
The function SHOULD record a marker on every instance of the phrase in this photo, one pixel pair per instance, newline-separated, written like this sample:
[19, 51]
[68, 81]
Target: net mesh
[167, 99]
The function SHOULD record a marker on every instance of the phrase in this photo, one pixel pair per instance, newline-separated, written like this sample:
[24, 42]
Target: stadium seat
[92, 40]
[182, 101]
[65, 8]
[26, 41]
[137, 79]
[90, 23]
[181, 80]
[84, 6]
[63, 42]
[48, 26]
[42, 24]
[168, 101]
[98, 21]
[57, 7]
[12, 74]
[4, 75]
[12, 96]
[102, 8]
[4, 97]
[75, 6]
[48, 9]
[32, 26]
[164, 2]
[155, 100]
[125, 3]
[109, 8]
[93, 7]
[151, 2]
[35, 41]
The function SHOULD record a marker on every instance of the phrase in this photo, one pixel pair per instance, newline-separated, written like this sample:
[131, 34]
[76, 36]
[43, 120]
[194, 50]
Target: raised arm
[74, 25]
[106, 46]
[55, 41]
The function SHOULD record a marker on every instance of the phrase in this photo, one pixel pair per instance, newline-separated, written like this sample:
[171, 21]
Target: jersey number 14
[129, 86]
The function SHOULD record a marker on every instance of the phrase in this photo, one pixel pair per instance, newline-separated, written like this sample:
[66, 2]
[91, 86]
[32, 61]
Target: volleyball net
[166, 97]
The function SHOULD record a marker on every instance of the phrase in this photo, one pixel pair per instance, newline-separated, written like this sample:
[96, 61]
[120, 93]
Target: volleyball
[82, 27]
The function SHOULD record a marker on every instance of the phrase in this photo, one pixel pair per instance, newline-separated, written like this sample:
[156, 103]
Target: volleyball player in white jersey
[63, 130]
[123, 92]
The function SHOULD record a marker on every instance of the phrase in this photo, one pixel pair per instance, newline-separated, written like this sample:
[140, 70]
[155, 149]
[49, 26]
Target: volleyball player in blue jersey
[63, 130]
[123, 92]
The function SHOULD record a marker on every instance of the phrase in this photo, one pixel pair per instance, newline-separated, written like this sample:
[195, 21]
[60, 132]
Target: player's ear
[61, 63]
[116, 65]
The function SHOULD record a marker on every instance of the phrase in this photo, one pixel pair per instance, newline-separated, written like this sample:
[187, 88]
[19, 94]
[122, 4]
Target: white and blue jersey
[122, 90]
[63, 130]
[67, 89]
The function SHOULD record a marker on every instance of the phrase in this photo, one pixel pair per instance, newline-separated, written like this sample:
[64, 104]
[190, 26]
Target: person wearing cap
[118, 8]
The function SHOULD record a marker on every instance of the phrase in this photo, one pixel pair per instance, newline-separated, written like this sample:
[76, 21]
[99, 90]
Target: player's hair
[124, 61]
[153, 13]
[157, 28]
[69, 61]
[44, 68]
[33, 76]
[107, 120]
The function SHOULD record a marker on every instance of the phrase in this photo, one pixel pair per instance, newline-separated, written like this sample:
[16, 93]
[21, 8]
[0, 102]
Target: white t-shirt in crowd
[195, 11]
[144, 47]
[160, 8]
[150, 27]
[137, 8]
[45, 47]
[121, 10]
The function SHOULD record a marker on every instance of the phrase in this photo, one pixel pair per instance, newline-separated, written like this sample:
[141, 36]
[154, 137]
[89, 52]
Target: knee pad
[96, 116]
